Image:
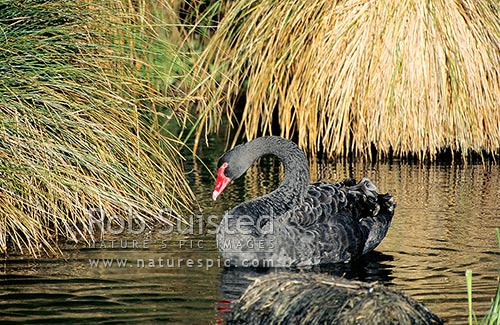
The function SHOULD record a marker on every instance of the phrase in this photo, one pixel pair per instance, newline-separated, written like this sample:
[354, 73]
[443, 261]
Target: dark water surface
[444, 224]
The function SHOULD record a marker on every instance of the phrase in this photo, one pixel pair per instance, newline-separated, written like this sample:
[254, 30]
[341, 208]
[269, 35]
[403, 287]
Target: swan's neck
[296, 180]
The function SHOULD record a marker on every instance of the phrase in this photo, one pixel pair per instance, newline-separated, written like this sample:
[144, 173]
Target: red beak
[221, 182]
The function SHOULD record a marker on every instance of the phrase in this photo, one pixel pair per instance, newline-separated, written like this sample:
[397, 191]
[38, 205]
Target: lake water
[444, 224]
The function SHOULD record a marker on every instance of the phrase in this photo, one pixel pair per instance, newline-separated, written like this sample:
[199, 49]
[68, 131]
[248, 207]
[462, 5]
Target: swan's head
[232, 165]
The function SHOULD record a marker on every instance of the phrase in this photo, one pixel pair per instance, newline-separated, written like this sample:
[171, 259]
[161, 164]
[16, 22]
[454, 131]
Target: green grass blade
[472, 316]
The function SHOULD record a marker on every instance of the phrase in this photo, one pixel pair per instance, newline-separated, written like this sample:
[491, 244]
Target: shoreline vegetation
[87, 119]
[370, 79]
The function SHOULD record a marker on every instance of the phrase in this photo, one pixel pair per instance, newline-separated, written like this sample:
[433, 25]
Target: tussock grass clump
[407, 76]
[287, 298]
[80, 125]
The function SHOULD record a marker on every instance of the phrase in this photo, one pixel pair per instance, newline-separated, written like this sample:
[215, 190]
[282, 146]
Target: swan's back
[345, 219]
[332, 223]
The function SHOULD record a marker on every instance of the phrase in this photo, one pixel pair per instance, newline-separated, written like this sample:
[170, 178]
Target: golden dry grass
[408, 76]
[81, 126]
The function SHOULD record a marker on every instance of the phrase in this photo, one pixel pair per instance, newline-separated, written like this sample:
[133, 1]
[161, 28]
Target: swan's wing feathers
[321, 202]
[346, 218]
[306, 215]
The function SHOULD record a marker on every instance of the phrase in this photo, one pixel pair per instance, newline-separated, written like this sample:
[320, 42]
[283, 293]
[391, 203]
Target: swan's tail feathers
[362, 197]
[387, 204]
[377, 225]
[374, 210]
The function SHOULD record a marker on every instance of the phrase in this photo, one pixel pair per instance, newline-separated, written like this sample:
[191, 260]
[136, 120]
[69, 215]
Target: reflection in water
[444, 224]
[68, 291]
[234, 280]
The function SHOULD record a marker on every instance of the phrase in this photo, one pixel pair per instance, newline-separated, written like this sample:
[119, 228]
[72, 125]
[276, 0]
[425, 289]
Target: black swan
[298, 224]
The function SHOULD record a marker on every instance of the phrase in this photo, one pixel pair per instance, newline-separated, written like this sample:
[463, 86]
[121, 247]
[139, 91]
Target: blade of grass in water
[492, 317]
[472, 316]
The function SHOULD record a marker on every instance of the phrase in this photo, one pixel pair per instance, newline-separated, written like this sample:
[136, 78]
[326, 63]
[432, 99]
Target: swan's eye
[223, 167]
